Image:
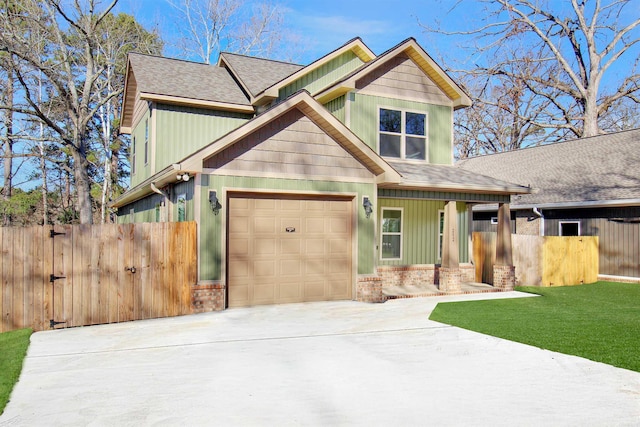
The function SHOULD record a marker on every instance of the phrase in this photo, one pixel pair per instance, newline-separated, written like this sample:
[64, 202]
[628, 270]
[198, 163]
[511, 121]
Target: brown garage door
[288, 249]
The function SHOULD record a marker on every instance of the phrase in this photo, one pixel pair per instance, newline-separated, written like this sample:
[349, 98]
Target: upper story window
[403, 134]
[133, 156]
[146, 141]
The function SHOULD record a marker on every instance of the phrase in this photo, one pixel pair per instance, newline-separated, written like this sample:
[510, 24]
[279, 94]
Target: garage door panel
[264, 246]
[315, 225]
[240, 247]
[264, 270]
[288, 250]
[264, 293]
[290, 246]
[290, 267]
[264, 225]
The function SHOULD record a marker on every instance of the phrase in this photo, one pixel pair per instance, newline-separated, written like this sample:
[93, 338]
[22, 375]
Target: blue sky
[326, 25]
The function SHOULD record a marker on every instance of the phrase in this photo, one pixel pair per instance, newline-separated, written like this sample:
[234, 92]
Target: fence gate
[91, 274]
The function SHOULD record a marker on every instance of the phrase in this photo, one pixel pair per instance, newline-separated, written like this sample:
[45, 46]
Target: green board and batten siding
[420, 230]
[323, 76]
[211, 230]
[145, 209]
[184, 130]
[337, 107]
[142, 170]
[363, 113]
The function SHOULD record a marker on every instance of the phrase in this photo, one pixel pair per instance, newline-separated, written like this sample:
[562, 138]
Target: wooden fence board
[96, 287]
[542, 261]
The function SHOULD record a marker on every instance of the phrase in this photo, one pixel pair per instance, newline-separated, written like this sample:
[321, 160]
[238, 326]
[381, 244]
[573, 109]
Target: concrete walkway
[334, 363]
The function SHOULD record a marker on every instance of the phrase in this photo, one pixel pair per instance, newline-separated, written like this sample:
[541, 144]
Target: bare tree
[68, 61]
[211, 26]
[585, 54]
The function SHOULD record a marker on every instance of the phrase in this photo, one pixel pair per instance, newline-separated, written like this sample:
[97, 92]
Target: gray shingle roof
[173, 77]
[257, 74]
[596, 169]
[451, 177]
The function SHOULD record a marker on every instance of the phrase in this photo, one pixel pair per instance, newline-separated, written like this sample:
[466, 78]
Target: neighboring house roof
[601, 170]
[177, 81]
[410, 47]
[256, 74]
[450, 178]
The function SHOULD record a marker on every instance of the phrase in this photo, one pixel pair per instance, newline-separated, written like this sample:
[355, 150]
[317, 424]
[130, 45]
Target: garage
[286, 249]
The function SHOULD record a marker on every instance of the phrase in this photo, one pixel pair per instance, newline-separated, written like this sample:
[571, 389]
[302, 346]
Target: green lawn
[13, 348]
[599, 321]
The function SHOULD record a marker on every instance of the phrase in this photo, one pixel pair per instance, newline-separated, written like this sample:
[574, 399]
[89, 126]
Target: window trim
[403, 134]
[561, 223]
[146, 142]
[440, 233]
[400, 233]
[181, 197]
[133, 156]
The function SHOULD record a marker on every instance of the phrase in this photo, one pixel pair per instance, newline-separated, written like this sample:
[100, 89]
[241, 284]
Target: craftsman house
[321, 182]
[585, 187]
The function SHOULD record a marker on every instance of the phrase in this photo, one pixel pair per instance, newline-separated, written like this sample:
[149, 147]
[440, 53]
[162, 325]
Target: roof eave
[178, 100]
[356, 45]
[476, 189]
[166, 176]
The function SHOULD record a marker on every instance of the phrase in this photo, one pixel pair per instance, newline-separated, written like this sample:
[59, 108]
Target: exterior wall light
[214, 202]
[183, 177]
[368, 207]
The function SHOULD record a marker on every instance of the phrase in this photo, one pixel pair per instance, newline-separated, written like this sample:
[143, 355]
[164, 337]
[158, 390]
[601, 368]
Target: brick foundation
[450, 280]
[369, 289]
[208, 296]
[504, 277]
[422, 274]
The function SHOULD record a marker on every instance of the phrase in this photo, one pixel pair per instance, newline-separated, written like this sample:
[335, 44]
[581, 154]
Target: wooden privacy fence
[541, 261]
[91, 274]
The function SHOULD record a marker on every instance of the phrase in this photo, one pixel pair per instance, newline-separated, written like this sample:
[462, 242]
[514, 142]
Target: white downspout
[166, 199]
[541, 216]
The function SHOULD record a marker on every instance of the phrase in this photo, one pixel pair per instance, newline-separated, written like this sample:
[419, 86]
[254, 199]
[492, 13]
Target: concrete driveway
[334, 363]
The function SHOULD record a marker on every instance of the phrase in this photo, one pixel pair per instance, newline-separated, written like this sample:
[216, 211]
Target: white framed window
[146, 142]
[569, 228]
[133, 156]
[494, 220]
[440, 232]
[181, 202]
[391, 234]
[402, 134]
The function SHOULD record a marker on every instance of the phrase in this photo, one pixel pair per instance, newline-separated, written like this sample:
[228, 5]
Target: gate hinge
[53, 278]
[54, 233]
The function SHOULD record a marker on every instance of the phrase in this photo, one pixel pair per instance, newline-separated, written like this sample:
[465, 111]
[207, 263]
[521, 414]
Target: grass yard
[13, 349]
[598, 321]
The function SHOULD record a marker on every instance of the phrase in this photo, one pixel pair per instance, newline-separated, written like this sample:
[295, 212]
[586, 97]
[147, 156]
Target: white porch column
[450, 275]
[504, 272]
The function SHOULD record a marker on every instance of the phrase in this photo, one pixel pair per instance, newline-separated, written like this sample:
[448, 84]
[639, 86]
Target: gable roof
[411, 47]
[178, 81]
[601, 170]
[256, 74]
[301, 100]
[355, 45]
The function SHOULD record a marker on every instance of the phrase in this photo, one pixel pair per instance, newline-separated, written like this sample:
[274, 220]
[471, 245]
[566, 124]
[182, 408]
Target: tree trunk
[8, 147]
[83, 185]
[590, 126]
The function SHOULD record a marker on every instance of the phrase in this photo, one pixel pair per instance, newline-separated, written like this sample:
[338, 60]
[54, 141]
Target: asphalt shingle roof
[451, 177]
[596, 169]
[257, 74]
[185, 79]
